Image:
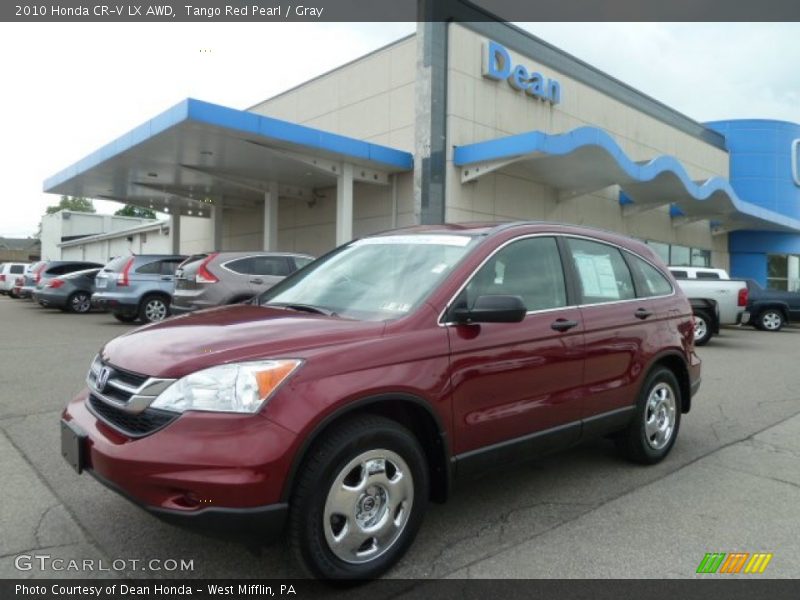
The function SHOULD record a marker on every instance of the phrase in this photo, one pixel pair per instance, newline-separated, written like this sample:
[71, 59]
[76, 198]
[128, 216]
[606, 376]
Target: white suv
[8, 273]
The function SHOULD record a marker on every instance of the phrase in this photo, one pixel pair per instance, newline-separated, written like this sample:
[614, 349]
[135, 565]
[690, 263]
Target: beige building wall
[481, 109]
[371, 99]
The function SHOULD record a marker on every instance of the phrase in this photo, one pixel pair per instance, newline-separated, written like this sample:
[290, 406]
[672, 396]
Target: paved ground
[732, 483]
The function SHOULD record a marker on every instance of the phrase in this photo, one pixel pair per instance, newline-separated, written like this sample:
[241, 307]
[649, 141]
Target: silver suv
[137, 287]
[218, 278]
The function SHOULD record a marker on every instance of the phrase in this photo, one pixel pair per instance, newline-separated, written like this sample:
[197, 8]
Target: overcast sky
[70, 88]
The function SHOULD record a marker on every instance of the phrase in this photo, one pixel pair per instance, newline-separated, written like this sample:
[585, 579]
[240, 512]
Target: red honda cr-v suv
[339, 402]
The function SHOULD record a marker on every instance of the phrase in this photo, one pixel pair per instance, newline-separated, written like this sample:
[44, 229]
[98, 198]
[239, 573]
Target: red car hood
[233, 333]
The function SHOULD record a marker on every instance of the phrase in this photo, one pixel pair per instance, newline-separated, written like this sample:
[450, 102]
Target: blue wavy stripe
[630, 172]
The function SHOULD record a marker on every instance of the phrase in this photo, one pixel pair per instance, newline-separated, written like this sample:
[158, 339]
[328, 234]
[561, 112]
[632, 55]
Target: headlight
[238, 387]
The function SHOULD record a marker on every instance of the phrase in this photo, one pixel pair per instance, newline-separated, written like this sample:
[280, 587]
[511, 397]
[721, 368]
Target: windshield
[372, 279]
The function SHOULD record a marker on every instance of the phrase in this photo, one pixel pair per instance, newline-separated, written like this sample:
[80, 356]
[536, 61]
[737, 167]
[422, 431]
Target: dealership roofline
[110, 235]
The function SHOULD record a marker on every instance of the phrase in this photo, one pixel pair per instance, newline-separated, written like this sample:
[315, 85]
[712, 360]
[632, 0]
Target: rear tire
[13, 294]
[153, 308]
[657, 418]
[770, 319]
[359, 499]
[79, 302]
[702, 328]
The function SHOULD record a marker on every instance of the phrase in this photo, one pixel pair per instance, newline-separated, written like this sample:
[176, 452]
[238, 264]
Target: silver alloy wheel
[700, 328]
[81, 303]
[659, 416]
[771, 320]
[368, 506]
[155, 310]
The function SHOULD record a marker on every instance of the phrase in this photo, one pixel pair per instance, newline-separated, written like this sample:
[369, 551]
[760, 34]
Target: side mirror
[492, 309]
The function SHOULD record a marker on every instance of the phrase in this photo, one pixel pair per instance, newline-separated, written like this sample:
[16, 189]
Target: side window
[680, 274]
[707, 275]
[271, 265]
[651, 281]
[302, 261]
[602, 272]
[152, 268]
[168, 267]
[529, 268]
[60, 270]
[243, 266]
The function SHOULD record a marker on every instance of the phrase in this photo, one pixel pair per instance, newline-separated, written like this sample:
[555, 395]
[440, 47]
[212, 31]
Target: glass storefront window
[701, 258]
[783, 272]
[661, 249]
[680, 256]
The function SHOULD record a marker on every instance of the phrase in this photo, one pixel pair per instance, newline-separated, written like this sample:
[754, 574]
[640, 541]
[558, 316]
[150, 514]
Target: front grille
[131, 379]
[133, 425]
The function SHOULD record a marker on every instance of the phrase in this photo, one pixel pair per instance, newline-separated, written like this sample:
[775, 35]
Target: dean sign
[497, 65]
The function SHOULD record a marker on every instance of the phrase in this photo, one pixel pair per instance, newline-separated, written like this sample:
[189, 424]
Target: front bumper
[220, 472]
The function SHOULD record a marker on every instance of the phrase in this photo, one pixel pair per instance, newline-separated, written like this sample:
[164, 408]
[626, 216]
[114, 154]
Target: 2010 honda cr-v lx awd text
[338, 403]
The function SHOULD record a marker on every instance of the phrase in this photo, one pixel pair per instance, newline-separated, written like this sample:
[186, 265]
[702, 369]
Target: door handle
[167, 278]
[257, 280]
[563, 324]
[643, 313]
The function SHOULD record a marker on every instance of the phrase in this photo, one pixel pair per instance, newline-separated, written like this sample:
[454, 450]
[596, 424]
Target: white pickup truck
[716, 299]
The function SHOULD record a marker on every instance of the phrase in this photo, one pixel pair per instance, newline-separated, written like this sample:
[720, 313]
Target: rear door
[620, 328]
[267, 271]
[513, 381]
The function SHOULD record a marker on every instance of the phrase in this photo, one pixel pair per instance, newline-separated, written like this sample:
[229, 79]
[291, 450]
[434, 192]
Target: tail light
[38, 277]
[123, 278]
[55, 283]
[2, 276]
[203, 274]
[742, 301]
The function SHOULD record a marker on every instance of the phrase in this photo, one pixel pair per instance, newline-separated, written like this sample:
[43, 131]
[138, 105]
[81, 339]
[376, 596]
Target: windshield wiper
[302, 308]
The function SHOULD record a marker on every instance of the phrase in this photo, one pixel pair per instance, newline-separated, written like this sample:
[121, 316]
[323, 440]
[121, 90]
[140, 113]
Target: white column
[271, 217]
[216, 227]
[175, 233]
[344, 205]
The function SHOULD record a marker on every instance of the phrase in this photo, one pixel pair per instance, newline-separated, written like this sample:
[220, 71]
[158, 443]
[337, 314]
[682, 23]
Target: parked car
[137, 287]
[8, 274]
[30, 277]
[218, 278]
[58, 268]
[72, 292]
[770, 310]
[354, 391]
[716, 300]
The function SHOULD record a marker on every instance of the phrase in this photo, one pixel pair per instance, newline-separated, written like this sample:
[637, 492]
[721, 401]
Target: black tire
[636, 442]
[124, 318]
[153, 308]
[702, 328]
[326, 467]
[79, 302]
[13, 294]
[770, 319]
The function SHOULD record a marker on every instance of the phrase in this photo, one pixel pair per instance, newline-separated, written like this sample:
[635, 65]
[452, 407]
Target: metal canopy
[196, 155]
[587, 159]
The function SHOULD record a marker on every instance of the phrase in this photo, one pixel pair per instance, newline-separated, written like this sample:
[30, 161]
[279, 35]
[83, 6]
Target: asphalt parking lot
[732, 483]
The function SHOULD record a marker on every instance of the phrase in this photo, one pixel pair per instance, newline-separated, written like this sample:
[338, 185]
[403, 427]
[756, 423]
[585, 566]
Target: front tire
[771, 320]
[124, 318]
[153, 309]
[359, 500]
[702, 329]
[657, 418]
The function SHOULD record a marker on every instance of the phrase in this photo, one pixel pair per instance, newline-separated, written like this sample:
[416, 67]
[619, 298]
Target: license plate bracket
[73, 445]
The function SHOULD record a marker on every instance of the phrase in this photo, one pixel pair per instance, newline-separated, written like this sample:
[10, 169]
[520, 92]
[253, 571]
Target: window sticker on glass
[396, 307]
[597, 275]
[436, 239]
[439, 268]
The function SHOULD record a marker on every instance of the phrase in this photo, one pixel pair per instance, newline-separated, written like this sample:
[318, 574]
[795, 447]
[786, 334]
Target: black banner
[242, 11]
[744, 588]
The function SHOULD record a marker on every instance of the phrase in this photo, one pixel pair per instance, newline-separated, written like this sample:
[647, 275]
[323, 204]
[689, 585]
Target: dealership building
[462, 121]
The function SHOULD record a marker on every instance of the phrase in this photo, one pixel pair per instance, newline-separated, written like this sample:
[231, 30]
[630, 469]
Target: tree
[73, 203]
[129, 210]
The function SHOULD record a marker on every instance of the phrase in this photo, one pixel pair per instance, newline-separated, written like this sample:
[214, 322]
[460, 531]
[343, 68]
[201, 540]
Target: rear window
[116, 264]
[193, 262]
[302, 261]
[17, 269]
[706, 275]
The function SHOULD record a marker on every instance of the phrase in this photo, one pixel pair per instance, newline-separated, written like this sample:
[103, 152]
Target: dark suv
[137, 287]
[349, 395]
